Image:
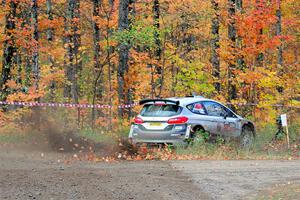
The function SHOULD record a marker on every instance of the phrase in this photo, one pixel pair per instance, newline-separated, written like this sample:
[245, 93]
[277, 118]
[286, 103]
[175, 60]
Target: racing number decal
[226, 127]
[230, 126]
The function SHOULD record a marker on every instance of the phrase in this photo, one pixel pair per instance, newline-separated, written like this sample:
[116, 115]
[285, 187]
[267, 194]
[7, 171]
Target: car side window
[197, 108]
[230, 113]
[214, 109]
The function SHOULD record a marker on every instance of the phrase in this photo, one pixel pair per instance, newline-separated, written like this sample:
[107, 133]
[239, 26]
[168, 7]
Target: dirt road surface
[37, 175]
[241, 179]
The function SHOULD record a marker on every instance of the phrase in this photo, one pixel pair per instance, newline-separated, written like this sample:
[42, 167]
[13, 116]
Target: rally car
[178, 121]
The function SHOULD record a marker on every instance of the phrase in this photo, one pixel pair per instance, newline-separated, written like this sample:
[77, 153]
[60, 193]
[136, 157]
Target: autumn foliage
[96, 52]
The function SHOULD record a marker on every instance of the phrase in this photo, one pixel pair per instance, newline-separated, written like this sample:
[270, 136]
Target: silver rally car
[179, 120]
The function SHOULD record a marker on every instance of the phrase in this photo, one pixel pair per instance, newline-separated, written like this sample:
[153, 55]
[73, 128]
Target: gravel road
[240, 179]
[32, 175]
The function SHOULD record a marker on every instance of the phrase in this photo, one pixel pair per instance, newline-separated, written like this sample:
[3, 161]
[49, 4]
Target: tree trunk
[163, 67]
[232, 37]
[175, 71]
[96, 34]
[111, 66]
[279, 48]
[18, 58]
[215, 44]
[35, 37]
[260, 58]
[77, 56]
[26, 52]
[124, 96]
[73, 42]
[9, 49]
[239, 43]
[156, 25]
[98, 71]
[50, 35]
[279, 33]
[157, 49]
[132, 13]
[68, 56]
[50, 18]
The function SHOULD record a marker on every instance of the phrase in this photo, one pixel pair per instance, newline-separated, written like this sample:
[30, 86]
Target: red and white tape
[256, 104]
[70, 105]
[65, 105]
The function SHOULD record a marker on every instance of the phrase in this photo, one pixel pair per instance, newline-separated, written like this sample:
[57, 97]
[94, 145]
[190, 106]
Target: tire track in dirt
[239, 179]
[27, 175]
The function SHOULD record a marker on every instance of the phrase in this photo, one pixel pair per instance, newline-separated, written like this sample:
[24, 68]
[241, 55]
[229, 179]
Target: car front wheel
[246, 138]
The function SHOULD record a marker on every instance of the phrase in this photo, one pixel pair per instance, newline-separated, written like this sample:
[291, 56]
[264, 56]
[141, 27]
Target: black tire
[199, 135]
[247, 137]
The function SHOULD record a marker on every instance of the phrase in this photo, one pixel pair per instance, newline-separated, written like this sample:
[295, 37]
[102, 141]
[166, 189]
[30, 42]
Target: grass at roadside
[11, 135]
[11, 138]
[98, 136]
[264, 147]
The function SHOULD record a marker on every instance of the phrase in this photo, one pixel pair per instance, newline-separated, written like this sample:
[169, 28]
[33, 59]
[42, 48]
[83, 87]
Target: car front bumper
[168, 136]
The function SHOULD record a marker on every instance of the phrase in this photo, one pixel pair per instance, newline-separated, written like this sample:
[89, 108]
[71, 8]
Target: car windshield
[164, 110]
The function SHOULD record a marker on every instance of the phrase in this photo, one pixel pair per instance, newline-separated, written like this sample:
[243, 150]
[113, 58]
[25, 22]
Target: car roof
[183, 101]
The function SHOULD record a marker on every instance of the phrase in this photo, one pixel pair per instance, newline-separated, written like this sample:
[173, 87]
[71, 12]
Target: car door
[215, 114]
[200, 117]
[232, 124]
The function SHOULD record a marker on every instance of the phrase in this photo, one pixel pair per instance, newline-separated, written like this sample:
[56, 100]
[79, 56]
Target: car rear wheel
[246, 138]
[199, 136]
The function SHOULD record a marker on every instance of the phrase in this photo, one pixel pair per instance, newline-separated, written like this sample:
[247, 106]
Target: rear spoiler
[158, 100]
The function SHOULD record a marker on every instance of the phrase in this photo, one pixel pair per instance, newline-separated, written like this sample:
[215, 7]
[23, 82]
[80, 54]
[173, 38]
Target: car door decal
[229, 126]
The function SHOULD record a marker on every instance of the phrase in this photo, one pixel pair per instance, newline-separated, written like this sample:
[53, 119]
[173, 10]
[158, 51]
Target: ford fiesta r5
[179, 120]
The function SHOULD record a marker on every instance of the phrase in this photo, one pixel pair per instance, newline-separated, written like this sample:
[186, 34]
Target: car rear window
[165, 110]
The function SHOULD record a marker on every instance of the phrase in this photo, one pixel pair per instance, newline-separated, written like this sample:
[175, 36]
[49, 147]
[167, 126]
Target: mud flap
[130, 132]
[188, 131]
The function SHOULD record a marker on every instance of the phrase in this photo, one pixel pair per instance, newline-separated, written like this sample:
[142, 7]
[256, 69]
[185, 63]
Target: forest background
[244, 53]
